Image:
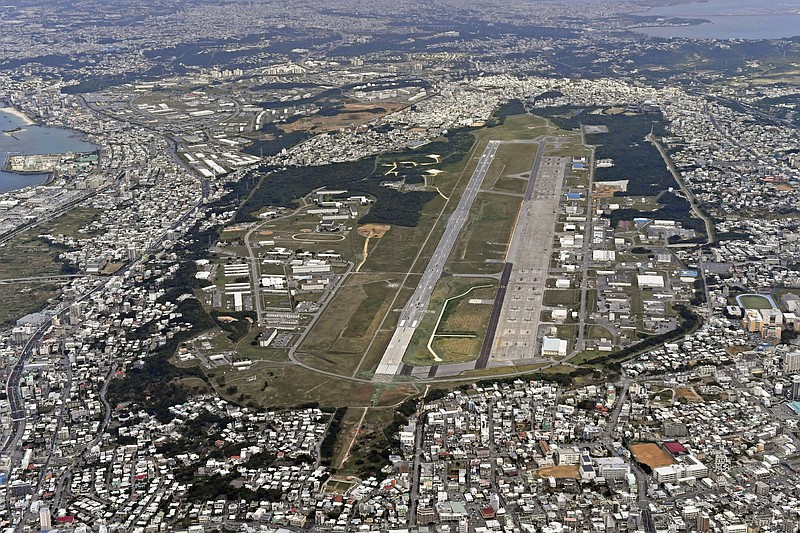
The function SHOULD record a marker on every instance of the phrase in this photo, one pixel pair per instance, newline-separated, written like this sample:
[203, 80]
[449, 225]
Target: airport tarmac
[517, 334]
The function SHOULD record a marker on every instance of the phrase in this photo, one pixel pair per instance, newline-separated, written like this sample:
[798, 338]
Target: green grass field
[282, 385]
[754, 301]
[343, 333]
[461, 317]
[511, 168]
[69, 223]
[19, 299]
[485, 236]
[27, 255]
[561, 297]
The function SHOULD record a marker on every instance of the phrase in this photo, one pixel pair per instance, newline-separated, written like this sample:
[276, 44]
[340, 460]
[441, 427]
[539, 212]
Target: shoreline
[13, 111]
[25, 172]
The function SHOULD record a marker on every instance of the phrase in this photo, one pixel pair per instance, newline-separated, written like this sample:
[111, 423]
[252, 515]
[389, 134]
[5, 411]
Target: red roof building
[675, 448]
[487, 513]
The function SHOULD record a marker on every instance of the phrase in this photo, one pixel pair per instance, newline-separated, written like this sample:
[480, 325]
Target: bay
[730, 19]
[25, 138]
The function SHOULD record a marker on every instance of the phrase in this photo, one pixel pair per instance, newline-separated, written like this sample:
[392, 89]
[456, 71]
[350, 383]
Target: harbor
[30, 153]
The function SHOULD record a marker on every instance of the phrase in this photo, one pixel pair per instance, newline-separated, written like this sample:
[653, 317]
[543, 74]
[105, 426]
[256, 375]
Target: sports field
[651, 454]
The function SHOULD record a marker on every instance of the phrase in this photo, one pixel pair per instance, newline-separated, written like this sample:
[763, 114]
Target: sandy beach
[20, 115]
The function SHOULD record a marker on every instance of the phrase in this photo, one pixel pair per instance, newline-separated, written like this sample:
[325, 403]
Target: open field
[69, 223]
[338, 485]
[460, 317]
[20, 299]
[518, 127]
[587, 355]
[561, 297]
[598, 332]
[289, 385]
[384, 335]
[27, 255]
[274, 382]
[559, 472]
[351, 115]
[572, 148]
[391, 395]
[651, 454]
[343, 333]
[511, 168]
[397, 249]
[464, 318]
[688, 394]
[485, 236]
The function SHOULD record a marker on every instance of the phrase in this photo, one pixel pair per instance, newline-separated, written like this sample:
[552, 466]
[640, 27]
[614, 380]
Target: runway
[417, 306]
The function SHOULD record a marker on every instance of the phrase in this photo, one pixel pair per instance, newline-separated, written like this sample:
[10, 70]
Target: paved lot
[530, 250]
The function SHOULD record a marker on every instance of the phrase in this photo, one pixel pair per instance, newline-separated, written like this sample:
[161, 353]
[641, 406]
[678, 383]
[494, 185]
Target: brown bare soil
[354, 115]
[651, 454]
[560, 472]
[689, 394]
[373, 231]
[604, 191]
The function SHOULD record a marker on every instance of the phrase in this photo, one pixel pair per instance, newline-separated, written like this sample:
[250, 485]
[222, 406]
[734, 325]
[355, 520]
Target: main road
[416, 307]
[580, 342]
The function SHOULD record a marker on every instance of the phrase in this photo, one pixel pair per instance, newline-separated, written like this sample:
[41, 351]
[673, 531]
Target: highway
[580, 342]
[13, 392]
[417, 306]
[54, 277]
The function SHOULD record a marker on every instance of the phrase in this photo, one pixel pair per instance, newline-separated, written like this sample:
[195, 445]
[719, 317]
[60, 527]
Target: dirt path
[365, 253]
[369, 231]
[346, 454]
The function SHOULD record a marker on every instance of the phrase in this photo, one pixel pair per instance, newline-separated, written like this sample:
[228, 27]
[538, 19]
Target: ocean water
[731, 19]
[33, 140]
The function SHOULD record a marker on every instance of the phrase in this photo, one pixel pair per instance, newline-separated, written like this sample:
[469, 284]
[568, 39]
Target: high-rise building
[703, 522]
[425, 515]
[721, 462]
[791, 362]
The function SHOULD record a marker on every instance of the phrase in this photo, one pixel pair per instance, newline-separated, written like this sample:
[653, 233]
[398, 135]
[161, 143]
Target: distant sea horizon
[27, 138]
[729, 19]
